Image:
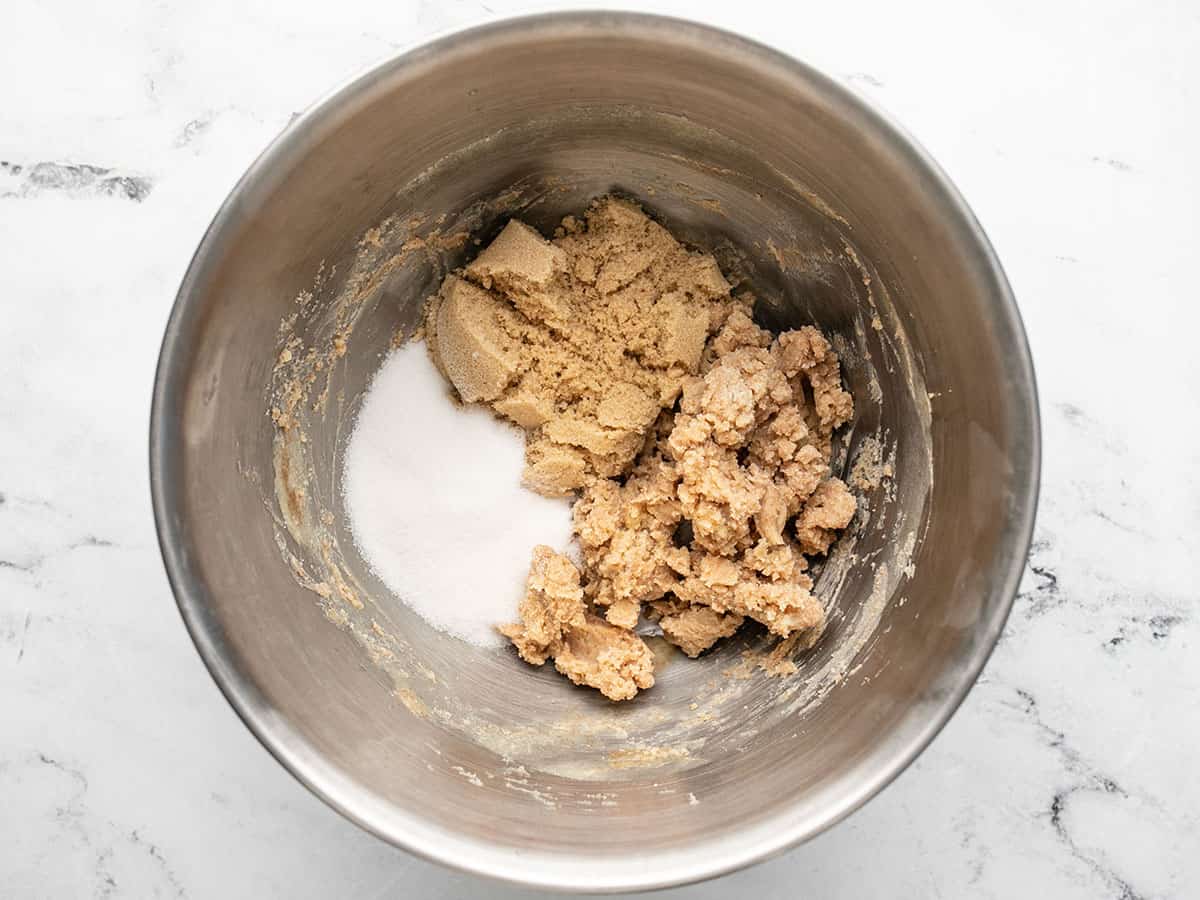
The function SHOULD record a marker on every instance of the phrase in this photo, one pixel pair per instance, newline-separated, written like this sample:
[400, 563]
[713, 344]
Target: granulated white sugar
[435, 503]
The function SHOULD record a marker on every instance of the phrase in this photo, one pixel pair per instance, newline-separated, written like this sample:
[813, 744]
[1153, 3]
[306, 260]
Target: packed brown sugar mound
[698, 444]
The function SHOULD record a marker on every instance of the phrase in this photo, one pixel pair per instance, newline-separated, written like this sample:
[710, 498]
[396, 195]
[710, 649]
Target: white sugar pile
[435, 502]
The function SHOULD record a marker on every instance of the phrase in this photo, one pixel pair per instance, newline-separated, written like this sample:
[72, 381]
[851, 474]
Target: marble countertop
[1071, 771]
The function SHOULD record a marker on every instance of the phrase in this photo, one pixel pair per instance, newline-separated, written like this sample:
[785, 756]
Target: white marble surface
[1070, 772]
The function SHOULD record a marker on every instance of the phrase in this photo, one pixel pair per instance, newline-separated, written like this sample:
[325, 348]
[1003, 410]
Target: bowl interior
[328, 250]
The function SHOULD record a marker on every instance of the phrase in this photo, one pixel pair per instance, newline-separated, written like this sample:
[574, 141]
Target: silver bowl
[322, 256]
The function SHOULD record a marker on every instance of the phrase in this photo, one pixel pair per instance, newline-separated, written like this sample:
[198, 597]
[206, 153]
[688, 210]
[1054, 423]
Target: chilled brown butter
[697, 443]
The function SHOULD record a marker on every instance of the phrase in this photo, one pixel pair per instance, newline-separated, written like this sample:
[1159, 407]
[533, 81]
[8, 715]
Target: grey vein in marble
[21, 180]
[1086, 779]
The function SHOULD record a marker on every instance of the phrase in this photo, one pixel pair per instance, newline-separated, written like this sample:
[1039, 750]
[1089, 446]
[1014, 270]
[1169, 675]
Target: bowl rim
[400, 827]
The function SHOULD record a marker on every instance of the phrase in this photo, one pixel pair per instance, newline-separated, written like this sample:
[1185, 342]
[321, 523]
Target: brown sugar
[697, 443]
[580, 341]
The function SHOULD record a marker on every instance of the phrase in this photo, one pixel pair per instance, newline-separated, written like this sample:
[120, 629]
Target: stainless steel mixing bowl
[331, 242]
